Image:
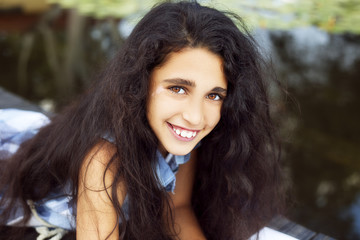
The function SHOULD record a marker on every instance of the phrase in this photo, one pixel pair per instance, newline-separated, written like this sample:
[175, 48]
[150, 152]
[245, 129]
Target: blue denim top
[57, 209]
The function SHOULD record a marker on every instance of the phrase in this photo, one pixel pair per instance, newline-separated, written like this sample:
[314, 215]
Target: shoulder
[101, 152]
[99, 163]
[97, 217]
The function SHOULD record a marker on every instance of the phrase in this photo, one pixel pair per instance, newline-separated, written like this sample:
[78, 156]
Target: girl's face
[185, 99]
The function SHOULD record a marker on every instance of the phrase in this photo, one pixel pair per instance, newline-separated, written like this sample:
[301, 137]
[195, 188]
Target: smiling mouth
[184, 134]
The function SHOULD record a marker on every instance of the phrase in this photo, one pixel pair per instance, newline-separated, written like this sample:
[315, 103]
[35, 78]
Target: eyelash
[220, 97]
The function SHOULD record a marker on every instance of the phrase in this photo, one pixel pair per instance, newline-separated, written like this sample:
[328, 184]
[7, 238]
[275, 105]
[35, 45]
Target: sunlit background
[51, 50]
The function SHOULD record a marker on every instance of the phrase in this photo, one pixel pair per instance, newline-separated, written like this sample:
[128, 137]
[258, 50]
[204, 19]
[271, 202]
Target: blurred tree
[67, 57]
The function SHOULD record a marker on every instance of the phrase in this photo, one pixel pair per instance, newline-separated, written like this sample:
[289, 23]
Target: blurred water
[322, 73]
[321, 137]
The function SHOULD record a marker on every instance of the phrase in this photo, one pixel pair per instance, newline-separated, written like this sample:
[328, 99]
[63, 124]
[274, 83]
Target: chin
[180, 151]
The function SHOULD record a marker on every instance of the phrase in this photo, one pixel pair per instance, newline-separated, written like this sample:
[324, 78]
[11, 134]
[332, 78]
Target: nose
[194, 113]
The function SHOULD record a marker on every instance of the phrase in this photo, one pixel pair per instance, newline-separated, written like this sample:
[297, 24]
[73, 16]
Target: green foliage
[106, 8]
[330, 15]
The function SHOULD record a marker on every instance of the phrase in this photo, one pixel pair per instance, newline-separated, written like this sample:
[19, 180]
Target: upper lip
[187, 129]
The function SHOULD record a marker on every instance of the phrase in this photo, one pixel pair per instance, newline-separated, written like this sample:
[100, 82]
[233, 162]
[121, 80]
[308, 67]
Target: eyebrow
[190, 83]
[181, 82]
[219, 90]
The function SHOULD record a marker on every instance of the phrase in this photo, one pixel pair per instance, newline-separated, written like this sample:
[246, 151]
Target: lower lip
[185, 139]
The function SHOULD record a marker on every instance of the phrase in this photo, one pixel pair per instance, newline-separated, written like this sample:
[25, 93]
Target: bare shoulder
[101, 153]
[99, 169]
[96, 216]
[96, 163]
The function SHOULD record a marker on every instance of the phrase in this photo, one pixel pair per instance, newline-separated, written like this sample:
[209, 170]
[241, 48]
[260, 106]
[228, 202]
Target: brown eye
[214, 97]
[178, 90]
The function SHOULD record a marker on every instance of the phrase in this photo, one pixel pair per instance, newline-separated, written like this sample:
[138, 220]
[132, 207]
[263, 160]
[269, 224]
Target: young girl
[174, 141]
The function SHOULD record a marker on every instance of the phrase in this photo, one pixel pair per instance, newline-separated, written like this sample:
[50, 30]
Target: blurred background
[50, 50]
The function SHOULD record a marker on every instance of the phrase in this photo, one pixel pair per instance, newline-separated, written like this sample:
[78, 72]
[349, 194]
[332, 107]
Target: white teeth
[184, 133]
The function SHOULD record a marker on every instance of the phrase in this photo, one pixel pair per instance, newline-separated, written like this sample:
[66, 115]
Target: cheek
[154, 102]
[213, 115]
[160, 107]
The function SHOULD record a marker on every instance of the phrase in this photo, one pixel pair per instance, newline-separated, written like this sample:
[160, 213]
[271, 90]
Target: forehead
[195, 64]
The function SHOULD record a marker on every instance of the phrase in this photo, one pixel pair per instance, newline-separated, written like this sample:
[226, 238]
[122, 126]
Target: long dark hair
[237, 189]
